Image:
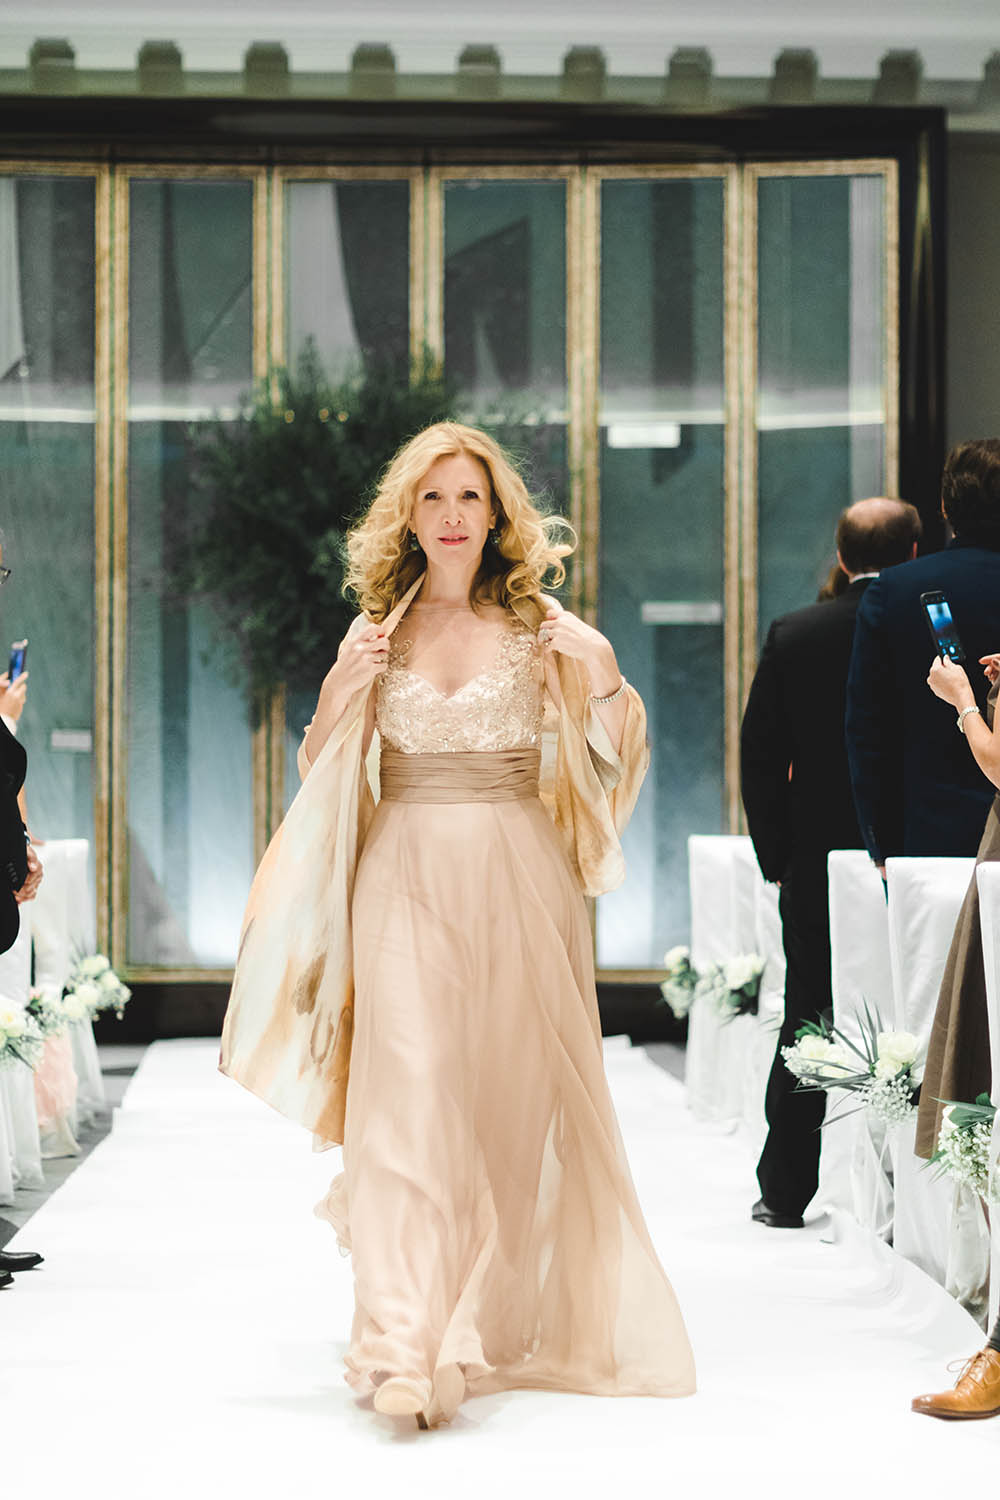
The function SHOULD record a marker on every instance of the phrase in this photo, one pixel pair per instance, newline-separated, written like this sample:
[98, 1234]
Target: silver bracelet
[611, 696]
[972, 709]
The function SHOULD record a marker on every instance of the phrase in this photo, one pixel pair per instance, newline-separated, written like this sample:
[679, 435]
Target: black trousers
[788, 1170]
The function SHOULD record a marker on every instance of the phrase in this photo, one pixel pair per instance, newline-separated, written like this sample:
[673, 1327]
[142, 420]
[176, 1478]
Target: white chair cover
[762, 1029]
[17, 1103]
[23, 1167]
[988, 879]
[713, 1066]
[6, 1155]
[857, 1176]
[62, 922]
[925, 896]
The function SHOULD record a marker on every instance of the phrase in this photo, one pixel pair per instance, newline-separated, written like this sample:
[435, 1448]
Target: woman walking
[416, 980]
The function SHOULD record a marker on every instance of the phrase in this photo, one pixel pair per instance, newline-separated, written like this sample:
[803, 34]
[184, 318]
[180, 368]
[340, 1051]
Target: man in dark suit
[916, 787]
[20, 877]
[798, 803]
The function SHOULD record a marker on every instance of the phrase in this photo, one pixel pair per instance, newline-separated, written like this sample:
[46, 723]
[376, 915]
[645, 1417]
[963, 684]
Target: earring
[414, 544]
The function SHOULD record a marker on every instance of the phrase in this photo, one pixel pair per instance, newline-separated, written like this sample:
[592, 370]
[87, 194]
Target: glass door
[821, 396]
[53, 462]
[185, 825]
[663, 441]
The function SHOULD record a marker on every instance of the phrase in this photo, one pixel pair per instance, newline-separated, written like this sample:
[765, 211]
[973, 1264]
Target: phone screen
[943, 629]
[18, 652]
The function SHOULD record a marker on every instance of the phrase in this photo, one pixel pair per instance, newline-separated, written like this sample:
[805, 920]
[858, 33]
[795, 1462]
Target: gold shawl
[288, 1027]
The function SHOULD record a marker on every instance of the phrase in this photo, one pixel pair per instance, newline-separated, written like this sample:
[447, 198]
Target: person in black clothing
[916, 787]
[20, 877]
[798, 803]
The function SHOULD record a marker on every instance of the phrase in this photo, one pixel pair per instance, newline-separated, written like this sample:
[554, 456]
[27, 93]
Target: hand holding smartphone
[942, 627]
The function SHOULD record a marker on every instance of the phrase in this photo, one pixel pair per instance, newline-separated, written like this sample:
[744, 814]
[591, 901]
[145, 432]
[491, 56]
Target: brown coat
[958, 1052]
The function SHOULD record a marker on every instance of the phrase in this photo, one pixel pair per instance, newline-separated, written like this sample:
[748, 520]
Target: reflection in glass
[189, 747]
[661, 558]
[821, 397]
[190, 299]
[505, 291]
[347, 267]
[348, 289]
[47, 283]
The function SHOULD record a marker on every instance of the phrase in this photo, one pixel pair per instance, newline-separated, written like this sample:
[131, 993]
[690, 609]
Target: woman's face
[452, 511]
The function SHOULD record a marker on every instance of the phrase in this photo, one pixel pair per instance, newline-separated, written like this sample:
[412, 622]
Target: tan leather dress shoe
[976, 1393]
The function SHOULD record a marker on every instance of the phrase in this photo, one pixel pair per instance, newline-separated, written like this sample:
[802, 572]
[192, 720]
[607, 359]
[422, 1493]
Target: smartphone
[942, 626]
[18, 656]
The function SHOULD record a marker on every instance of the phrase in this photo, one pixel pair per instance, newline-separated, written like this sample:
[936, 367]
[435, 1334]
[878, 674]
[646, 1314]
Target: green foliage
[274, 494]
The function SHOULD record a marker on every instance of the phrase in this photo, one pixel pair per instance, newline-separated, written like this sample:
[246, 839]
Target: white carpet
[185, 1333]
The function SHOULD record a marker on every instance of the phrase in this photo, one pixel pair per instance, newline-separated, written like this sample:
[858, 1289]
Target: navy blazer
[916, 785]
[794, 720]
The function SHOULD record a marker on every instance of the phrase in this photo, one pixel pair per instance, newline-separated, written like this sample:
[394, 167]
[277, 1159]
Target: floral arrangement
[678, 989]
[51, 1012]
[94, 986]
[963, 1144]
[740, 988]
[21, 1039]
[733, 987]
[883, 1072]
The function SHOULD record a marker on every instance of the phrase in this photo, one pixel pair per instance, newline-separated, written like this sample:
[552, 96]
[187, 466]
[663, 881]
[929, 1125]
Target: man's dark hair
[876, 534]
[970, 491]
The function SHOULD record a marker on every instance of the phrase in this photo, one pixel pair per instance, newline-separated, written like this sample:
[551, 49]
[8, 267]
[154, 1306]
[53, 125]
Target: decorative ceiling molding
[687, 83]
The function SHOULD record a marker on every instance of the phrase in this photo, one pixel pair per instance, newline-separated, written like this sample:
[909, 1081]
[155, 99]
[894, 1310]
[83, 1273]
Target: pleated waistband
[460, 775]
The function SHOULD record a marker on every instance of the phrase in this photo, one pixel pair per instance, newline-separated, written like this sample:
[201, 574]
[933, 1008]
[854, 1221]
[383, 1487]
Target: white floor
[186, 1331]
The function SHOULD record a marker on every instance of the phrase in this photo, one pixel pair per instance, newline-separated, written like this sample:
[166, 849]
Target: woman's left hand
[948, 680]
[561, 631]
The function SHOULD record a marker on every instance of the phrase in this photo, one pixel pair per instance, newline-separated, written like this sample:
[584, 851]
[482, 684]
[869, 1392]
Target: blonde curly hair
[380, 564]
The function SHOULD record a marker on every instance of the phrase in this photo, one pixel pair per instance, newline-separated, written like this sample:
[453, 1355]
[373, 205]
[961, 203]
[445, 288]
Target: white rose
[74, 1006]
[12, 1020]
[108, 980]
[743, 970]
[838, 1063]
[88, 995]
[94, 965]
[896, 1051]
[813, 1048]
[948, 1126]
[674, 958]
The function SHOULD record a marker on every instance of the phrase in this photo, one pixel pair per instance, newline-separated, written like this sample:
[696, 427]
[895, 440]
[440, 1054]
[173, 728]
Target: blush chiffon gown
[486, 1201]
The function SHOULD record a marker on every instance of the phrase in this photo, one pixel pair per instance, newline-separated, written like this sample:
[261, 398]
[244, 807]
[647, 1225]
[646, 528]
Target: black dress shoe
[761, 1214]
[6, 1279]
[19, 1260]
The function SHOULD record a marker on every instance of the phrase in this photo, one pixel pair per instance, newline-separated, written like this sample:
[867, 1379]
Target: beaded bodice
[498, 709]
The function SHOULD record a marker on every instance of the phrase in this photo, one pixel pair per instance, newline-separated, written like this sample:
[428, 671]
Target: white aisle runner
[186, 1331]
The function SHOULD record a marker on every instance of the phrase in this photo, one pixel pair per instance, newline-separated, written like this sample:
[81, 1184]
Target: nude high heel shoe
[404, 1396]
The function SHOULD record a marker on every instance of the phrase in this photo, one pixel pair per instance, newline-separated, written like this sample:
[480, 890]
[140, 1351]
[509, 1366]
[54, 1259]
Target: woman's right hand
[362, 656]
[991, 666]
